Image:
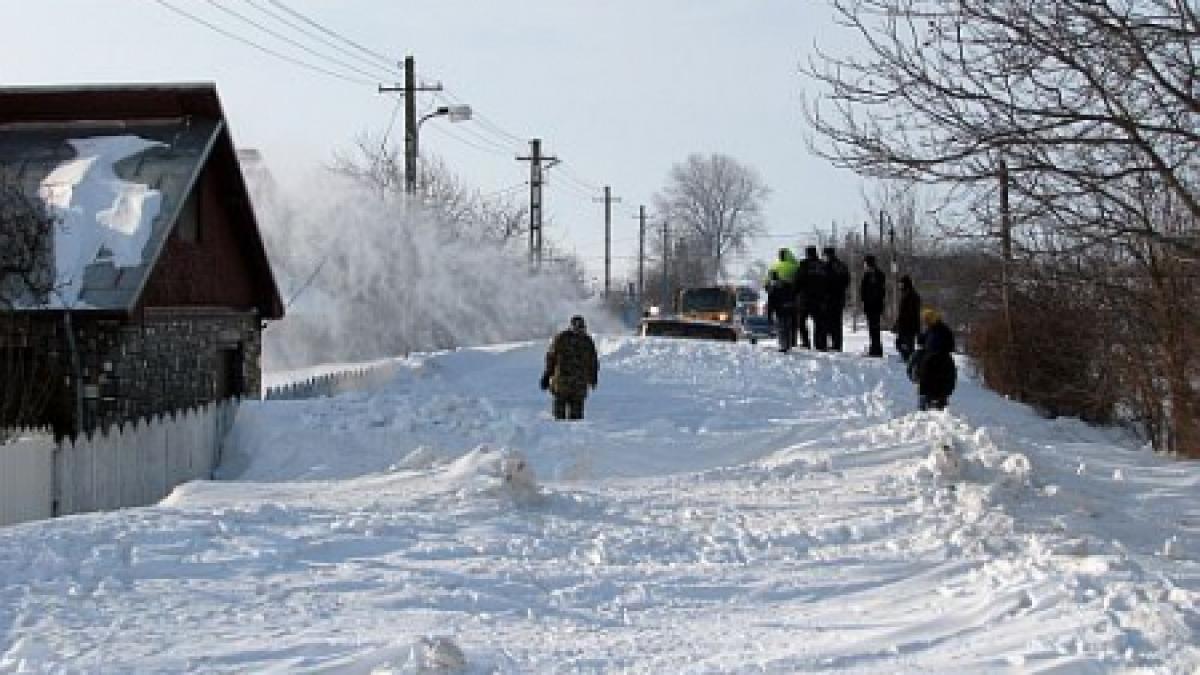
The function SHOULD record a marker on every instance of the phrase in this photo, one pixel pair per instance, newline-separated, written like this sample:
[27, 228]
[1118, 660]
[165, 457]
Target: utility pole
[1006, 260]
[641, 287]
[895, 267]
[854, 254]
[666, 288]
[608, 200]
[858, 290]
[409, 92]
[535, 160]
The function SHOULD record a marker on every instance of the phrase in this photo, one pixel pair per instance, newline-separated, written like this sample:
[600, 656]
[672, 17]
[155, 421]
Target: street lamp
[455, 113]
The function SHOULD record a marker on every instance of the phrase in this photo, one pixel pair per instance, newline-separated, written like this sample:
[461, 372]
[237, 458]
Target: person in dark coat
[908, 321]
[571, 369]
[810, 298]
[781, 309]
[873, 292]
[932, 365]
[837, 280]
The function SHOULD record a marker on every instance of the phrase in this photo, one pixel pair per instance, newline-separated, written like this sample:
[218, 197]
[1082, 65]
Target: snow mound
[438, 655]
[419, 459]
[798, 461]
[943, 462]
[489, 471]
[26, 656]
[960, 453]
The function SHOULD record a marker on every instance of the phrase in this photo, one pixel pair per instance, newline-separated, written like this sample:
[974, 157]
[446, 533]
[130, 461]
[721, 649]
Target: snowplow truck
[712, 303]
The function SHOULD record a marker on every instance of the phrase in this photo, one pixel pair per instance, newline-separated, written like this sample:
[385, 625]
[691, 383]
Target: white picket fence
[133, 465]
[26, 478]
[332, 384]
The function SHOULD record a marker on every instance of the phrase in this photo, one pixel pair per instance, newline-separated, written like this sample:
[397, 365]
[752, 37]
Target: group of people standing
[815, 289]
[797, 291]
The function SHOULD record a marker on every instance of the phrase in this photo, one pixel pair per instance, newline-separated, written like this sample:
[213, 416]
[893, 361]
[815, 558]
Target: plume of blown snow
[365, 278]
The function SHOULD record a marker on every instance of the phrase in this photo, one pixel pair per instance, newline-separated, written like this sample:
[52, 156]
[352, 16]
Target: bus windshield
[707, 300]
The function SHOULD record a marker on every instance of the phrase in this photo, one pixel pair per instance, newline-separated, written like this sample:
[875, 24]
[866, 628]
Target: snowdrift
[724, 508]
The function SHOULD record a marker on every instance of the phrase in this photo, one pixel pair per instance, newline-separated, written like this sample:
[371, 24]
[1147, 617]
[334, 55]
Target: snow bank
[98, 212]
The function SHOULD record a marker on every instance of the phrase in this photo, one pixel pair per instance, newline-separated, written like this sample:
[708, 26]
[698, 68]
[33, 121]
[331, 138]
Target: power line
[449, 97]
[502, 147]
[296, 26]
[391, 124]
[267, 50]
[295, 43]
[490, 136]
[443, 130]
[583, 183]
[391, 63]
[572, 188]
[504, 191]
[506, 138]
[573, 182]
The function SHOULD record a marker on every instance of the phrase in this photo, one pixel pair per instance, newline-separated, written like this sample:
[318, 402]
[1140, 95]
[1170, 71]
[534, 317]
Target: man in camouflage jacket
[571, 368]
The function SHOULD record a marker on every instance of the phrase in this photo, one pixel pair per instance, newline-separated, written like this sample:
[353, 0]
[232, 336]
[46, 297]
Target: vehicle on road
[749, 301]
[755, 327]
[708, 303]
[697, 329]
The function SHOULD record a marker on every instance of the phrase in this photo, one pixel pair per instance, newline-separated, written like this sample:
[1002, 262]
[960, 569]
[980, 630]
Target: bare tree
[714, 203]
[1088, 113]
[1076, 97]
[461, 210]
[26, 279]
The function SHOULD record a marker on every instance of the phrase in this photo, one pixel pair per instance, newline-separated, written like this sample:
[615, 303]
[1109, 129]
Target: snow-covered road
[724, 508]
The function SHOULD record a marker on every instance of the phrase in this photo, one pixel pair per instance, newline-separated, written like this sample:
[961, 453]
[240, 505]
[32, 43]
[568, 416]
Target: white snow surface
[724, 508]
[97, 211]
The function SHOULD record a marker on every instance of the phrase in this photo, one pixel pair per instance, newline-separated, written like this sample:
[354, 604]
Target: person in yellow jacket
[785, 267]
[782, 278]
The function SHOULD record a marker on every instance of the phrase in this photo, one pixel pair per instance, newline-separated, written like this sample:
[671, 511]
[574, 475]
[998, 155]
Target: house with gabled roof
[160, 285]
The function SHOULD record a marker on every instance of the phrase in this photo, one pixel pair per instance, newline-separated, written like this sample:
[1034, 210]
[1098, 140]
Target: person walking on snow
[873, 292]
[571, 369]
[908, 321]
[837, 280]
[932, 365]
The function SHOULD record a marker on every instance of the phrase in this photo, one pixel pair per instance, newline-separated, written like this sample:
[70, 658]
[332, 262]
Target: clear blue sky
[618, 89]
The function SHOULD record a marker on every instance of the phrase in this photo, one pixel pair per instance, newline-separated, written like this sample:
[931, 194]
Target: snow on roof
[100, 216]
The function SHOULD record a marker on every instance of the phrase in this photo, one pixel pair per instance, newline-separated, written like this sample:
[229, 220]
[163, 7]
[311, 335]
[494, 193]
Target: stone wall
[158, 362]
